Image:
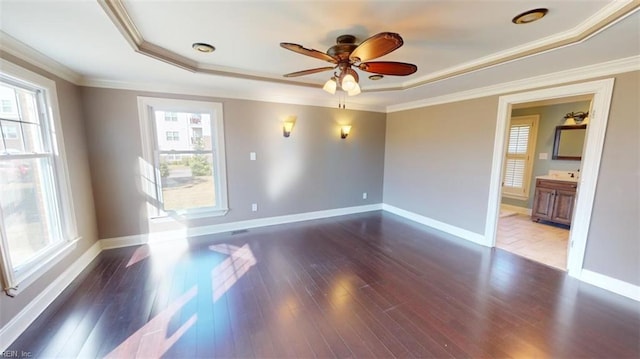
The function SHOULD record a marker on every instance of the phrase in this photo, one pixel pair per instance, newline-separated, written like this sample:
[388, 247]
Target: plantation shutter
[518, 158]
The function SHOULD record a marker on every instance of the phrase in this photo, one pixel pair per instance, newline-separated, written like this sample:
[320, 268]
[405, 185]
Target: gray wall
[550, 117]
[438, 164]
[310, 171]
[438, 161]
[76, 148]
[613, 247]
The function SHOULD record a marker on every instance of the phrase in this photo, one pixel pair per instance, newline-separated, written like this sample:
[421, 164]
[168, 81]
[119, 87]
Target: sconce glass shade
[330, 86]
[355, 91]
[344, 131]
[286, 129]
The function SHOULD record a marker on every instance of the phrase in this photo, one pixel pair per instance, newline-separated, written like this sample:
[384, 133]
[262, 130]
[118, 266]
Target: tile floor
[540, 242]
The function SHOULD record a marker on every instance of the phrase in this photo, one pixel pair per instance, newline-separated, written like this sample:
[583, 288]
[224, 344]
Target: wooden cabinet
[553, 201]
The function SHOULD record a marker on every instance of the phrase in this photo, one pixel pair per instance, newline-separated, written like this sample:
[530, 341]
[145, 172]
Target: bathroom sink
[569, 176]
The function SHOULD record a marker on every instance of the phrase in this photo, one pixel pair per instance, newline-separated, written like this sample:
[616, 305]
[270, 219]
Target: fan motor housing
[345, 44]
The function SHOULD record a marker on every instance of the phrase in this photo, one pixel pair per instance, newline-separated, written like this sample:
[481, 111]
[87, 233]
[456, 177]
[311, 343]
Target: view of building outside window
[29, 216]
[185, 160]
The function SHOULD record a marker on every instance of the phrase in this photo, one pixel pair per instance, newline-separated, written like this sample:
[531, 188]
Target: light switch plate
[252, 156]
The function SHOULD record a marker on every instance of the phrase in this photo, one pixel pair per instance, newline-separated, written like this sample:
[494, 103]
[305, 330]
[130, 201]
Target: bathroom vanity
[554, 199]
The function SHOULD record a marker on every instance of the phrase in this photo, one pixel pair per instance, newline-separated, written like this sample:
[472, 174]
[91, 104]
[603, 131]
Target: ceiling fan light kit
[346, 54]
[330, 86]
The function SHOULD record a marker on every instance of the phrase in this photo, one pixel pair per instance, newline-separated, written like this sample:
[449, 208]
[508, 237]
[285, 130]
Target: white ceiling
[457, 45]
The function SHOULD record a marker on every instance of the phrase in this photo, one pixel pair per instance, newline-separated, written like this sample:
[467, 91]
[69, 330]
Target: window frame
[523, 192]
[151, 173]
[19, 278]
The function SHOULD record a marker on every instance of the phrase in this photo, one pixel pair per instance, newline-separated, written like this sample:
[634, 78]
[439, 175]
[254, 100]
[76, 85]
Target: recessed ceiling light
[530, 16]
[376, 77]
[202, 47]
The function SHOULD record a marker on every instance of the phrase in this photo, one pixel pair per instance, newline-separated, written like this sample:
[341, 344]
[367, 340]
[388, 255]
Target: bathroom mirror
[569, 142]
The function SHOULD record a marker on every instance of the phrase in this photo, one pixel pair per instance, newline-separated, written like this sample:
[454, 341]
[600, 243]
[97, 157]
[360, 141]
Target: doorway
[532, 157]
[601, 92]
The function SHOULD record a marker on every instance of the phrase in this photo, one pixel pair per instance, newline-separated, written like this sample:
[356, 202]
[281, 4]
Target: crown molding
[117, 13]
[28, 54]
[329, 102]
[607, 16]
[578, 74]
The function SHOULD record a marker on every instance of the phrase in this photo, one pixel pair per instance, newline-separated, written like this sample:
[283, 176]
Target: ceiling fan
[346, 54]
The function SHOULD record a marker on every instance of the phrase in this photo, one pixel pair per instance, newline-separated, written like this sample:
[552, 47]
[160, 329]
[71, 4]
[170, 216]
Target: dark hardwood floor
[366, 285]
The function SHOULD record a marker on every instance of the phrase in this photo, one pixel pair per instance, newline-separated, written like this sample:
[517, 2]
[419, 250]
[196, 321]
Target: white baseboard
[12, 330]
[133, 240]
[517, 209]
[441, 226]
[611, 284]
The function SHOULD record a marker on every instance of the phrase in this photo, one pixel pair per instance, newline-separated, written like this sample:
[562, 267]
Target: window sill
[46, 261]
[172, 216]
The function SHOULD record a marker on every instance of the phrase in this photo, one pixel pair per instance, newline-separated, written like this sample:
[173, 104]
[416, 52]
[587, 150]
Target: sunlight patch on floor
[151, 340]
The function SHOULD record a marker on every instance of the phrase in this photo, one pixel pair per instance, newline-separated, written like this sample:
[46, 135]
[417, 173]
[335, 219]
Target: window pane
[29, 208]
[23, 137]
[9, 108]
[33, 138]
[187, 181]
[186, 131]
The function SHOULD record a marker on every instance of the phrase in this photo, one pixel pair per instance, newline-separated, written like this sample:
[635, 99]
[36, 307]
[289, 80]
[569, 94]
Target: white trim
[561, 77]
[611, 284]
[599, 114]
[26, 53]
[18, 324]
[46, 261]
[517, 209]
[147, 122]
[65, 211]
[533, 121]
[138, 239]
[603, 18]
[163, 88]
[441, 226]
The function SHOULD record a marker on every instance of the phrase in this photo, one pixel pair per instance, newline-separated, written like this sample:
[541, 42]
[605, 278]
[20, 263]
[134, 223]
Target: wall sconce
[576, 118]
[286, 128]
[344, 131]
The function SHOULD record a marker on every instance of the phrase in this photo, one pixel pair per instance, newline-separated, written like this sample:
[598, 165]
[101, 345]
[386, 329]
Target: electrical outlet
[364, 195]
[254, 207]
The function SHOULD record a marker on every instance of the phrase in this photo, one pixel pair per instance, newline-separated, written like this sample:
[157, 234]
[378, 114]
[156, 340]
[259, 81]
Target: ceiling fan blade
[388, 68]
[309, 52]
[376, 46]
[310, 71]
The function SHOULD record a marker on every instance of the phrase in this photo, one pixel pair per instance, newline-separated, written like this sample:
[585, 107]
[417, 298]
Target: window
[37, 223]
[171, 116]
[173, 136]
[519, 158]
[185, 178]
